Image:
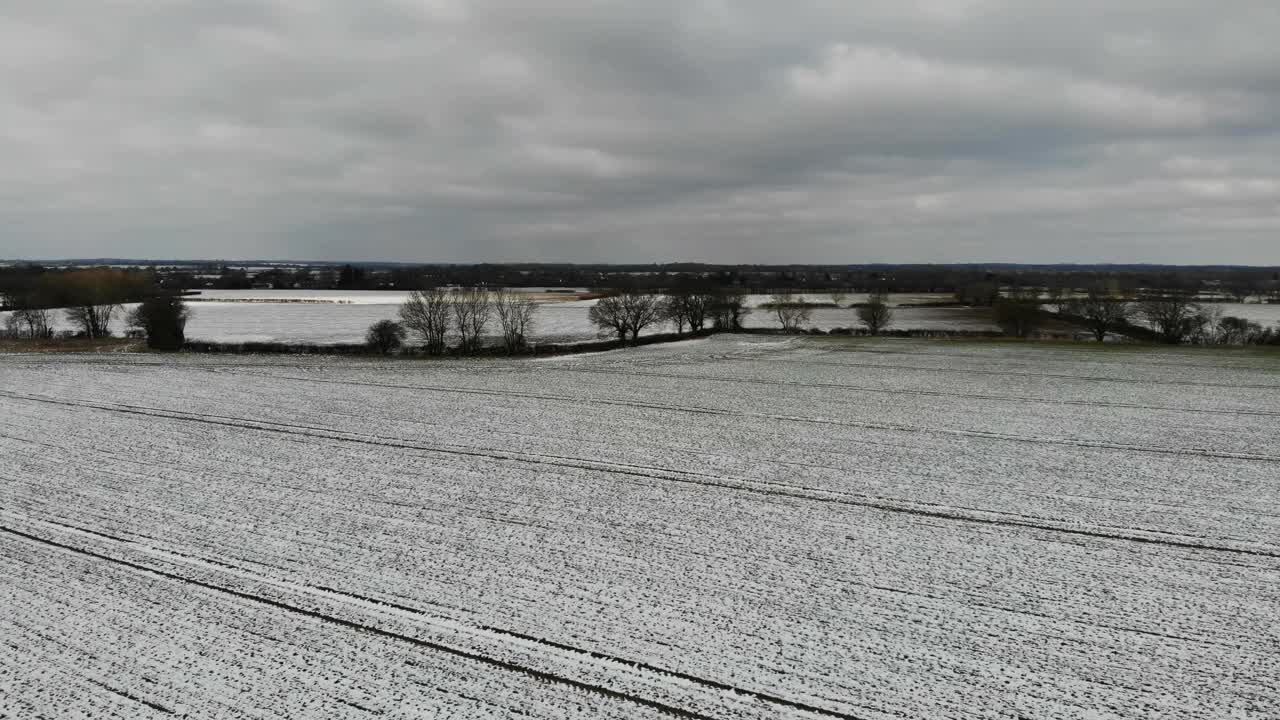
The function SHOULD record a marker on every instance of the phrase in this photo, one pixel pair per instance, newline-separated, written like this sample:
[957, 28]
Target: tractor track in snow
[1023, 374]
[372, 630]
[1140, 355]
[765, 488]
[922, 393]
[507, 665]
[888, 427]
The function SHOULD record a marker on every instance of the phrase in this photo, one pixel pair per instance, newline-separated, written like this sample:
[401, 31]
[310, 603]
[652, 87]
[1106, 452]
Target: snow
[344, 297]
[904, 318]
[1263, 314]
[329, 317]
[354, 297]
[734, 527]
[334, 318]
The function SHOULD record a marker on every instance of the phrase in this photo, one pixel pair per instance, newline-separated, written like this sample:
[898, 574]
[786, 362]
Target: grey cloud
[447, 130]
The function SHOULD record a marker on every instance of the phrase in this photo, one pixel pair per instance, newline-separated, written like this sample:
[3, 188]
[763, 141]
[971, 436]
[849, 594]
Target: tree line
[434, 316]
[442, 320]
[91, 300]
[973, 281]
[439, 321]
[1172, 317]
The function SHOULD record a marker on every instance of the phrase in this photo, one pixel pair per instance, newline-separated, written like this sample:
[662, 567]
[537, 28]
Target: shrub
[163, 320]
[875, 313]
[385, 336]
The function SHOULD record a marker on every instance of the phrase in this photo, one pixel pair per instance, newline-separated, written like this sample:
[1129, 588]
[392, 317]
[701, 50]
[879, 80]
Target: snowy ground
[727, 528]
[348, 297]
[324, 317]
[553, 322]
[1265, 315]
[329, 317]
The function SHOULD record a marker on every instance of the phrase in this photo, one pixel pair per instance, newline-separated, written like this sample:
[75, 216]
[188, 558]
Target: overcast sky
[644, 130]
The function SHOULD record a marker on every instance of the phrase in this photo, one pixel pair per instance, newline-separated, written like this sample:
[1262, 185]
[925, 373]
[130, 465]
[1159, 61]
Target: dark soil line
[350, 624]
[1045, 616]
[1195, 452]
[689, 478]
[128, 696]
[1006, 373]
[1086, 352]
[764, 697]
[926, 393]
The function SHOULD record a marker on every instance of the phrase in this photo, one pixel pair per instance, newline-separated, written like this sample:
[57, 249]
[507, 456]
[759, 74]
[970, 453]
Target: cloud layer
[753, 131]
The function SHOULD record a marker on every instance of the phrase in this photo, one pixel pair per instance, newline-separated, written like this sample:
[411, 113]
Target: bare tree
[627, 313]
[791, 311]
[515, 313]
[93, 297]
[674, 310]
[642, 311]
[1239, 331]
[689, 308]
[729, 308]
[608, 315]
[1102, 313]
[1018, 313]
[1173, 316]
[698, 307]
[839, 296]
[1207, 325]
[471, 310]
[29, 318]
[426, 313]
[875, 313]
[31, 322]
[93, 319]
[12, 328]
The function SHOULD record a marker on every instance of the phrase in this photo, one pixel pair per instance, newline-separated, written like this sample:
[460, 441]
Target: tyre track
[1087, 351]
[923, 393]
[130, 696]
[1056, 376]
[505, 665]
[953, 432]
[703, 683]
[765, 488]
[715, 684]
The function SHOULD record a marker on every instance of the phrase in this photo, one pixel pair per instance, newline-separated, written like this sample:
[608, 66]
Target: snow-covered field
[1265, 315]
[343, 297]
[346, 297]
[735, 527]
[553, 322]
[330, 318]
[904, 318]
[325, 317]
[343, 316]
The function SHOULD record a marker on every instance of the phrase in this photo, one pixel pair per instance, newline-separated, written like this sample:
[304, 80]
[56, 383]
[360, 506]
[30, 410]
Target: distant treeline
[90, 298]
[1230, 282]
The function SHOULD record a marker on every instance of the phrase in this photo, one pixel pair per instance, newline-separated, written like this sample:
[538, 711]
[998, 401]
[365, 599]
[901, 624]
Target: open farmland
[326, 318]
[737, 527]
